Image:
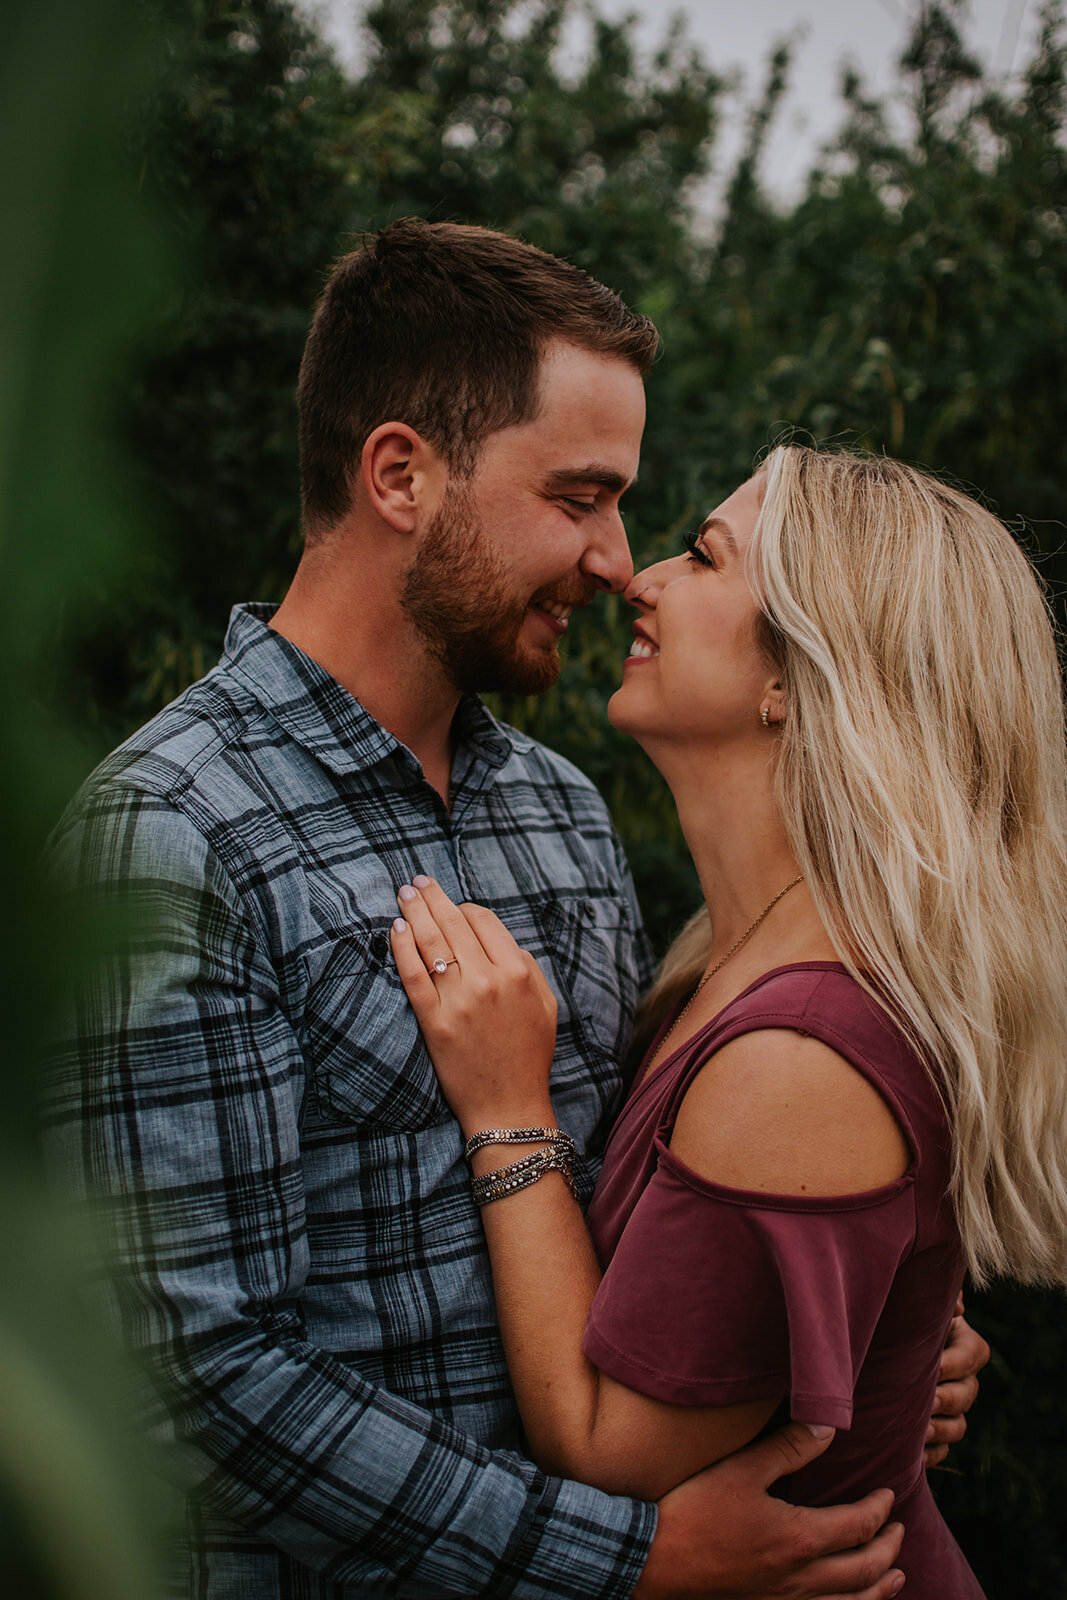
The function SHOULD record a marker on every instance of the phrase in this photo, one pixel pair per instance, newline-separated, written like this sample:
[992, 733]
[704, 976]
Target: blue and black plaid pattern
[244, 1098]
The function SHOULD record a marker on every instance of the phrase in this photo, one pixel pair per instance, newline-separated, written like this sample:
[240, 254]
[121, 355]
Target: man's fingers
[866, 1574]
[843, 1535]
[955, 1399]
[946, 1430]
[828, 1528]
[785, 1451]
[964, 1355]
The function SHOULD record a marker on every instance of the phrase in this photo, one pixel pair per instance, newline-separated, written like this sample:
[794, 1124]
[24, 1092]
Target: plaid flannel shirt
[244, 1099]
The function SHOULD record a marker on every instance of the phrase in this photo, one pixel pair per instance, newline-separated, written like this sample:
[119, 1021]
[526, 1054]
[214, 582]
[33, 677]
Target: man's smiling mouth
[555, 609]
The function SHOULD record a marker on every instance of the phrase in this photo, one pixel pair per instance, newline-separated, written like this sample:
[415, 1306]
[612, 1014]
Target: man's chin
[529, 673]
[529, 678]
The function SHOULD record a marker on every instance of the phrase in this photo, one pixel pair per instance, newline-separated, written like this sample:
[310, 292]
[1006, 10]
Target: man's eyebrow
[721, 527]
[574, 477]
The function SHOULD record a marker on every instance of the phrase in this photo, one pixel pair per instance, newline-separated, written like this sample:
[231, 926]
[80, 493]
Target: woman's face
[695, 673]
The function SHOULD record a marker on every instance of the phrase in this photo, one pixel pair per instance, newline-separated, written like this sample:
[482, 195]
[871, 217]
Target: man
[294, 1248]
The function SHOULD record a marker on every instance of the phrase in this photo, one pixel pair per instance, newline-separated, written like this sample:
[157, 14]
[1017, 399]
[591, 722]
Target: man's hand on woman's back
[965, 1354]
[723, 1536]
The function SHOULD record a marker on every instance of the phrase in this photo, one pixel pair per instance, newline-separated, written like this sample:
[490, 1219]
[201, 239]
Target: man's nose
[607, 560]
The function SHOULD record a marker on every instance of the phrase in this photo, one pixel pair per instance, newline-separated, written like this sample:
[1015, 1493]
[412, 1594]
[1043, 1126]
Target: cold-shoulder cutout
[777, 1111]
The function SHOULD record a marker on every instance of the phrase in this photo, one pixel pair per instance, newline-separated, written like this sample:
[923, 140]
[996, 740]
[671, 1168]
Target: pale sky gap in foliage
[870, 33]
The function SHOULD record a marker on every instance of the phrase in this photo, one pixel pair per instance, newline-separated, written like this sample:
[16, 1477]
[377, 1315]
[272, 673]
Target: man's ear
[403, 477]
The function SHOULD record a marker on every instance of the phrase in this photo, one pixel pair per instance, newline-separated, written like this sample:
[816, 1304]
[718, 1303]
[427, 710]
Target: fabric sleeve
[716, 1296]
[172, 1116]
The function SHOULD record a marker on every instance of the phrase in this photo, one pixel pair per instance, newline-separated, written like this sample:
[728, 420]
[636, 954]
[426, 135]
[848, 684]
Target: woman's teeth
[643, 649]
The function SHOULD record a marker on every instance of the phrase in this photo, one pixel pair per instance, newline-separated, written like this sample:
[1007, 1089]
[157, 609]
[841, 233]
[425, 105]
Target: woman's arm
[489, 1024]
[579, 1422]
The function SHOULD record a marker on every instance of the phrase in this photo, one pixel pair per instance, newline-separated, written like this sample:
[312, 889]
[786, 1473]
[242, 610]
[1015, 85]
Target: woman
[855, 1083]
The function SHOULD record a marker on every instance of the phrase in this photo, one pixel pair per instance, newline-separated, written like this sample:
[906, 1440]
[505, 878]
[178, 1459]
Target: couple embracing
[347, 1093]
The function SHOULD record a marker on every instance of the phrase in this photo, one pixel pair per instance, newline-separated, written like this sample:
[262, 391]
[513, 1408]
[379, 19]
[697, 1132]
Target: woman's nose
[645, 586]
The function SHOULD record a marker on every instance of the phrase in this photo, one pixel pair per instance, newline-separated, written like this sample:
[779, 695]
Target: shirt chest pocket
[590, 944]
[367, 1065]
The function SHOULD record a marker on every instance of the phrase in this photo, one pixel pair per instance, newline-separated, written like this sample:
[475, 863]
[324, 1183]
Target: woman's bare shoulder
[782, 1112]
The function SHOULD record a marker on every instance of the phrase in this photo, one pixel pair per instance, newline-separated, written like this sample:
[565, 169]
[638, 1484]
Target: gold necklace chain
[719, 966]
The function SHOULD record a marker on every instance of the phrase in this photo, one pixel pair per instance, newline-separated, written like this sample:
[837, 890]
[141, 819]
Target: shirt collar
[321, 715]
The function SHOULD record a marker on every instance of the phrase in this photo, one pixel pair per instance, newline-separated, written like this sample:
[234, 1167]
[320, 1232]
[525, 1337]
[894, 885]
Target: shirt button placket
[458, 867]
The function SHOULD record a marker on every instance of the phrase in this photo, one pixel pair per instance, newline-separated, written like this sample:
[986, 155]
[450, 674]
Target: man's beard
[461, 599]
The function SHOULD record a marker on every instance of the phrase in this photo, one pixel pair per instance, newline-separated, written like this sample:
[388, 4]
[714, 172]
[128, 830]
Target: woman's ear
[401, 475]
[773, 709]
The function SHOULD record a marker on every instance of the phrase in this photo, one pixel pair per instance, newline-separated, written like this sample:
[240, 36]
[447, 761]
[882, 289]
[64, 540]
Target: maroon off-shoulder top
[713, 1295]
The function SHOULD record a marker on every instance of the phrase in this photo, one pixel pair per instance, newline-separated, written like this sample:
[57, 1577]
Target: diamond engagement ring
[442, 966]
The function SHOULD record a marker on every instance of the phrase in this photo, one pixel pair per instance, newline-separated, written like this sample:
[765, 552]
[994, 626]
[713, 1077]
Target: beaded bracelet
[521, 1174]
[553, 1136]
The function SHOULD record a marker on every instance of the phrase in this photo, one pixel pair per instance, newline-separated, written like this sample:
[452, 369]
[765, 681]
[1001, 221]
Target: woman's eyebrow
[721, 527]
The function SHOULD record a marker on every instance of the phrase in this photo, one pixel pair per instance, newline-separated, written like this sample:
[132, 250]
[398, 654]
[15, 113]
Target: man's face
[535, 530]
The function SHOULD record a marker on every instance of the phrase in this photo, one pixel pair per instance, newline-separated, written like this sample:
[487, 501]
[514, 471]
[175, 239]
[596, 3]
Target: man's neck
[363, 639]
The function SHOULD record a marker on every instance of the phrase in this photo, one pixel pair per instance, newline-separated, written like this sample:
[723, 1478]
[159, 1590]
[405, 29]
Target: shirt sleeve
[716, 1296]
[172, 1116]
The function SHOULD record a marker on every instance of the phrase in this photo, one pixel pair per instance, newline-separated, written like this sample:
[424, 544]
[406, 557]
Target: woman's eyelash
[696, 550]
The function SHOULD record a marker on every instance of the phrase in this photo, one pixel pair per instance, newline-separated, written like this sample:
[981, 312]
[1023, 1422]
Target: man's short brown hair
[440, 326]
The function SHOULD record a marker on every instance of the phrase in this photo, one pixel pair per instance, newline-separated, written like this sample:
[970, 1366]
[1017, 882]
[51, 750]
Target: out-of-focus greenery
[912, 299]
[81, 266]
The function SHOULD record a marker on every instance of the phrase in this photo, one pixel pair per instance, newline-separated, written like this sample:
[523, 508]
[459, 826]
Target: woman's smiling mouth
[643, 648]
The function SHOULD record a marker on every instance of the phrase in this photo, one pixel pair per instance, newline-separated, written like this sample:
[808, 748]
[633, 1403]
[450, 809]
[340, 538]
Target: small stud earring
[765, 716]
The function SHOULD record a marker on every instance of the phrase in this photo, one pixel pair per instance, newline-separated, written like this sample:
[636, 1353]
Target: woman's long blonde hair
[922, 779]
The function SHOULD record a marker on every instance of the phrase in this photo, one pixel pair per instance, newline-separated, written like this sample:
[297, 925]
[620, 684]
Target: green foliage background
[912, 299]
[82, 272]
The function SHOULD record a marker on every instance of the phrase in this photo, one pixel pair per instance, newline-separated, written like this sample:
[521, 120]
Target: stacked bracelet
[506, 1180]
[558, 1157]
[552, 1136]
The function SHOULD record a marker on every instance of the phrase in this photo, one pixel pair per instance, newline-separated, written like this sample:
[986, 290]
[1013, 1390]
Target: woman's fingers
[418, 984]
[489, 1025]
[450, 918]
[494, 938]
[440, 930]
[472, 938]
[471, 932]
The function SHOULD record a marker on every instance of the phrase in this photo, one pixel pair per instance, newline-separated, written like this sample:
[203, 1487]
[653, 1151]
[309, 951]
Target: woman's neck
[735, 836]
[732, 825]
